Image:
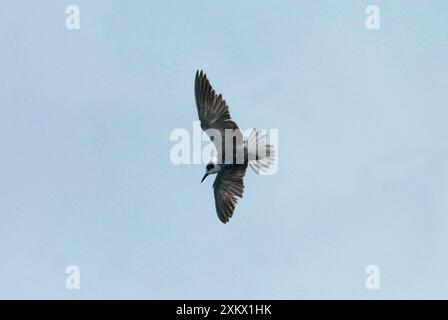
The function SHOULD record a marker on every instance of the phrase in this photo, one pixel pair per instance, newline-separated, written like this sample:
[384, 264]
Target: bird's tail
[260, 155]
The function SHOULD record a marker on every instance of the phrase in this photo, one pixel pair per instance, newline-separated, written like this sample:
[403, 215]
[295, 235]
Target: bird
[233, 156]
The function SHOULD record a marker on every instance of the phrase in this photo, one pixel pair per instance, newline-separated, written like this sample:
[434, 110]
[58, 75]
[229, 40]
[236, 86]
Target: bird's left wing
[213, 112]
[228, 186]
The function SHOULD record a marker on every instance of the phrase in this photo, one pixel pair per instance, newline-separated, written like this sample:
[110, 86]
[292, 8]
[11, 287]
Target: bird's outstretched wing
[214, 113]
[228, 186]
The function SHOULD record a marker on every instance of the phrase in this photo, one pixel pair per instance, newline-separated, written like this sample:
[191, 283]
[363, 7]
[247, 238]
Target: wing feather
[228, 187]
[213, 112]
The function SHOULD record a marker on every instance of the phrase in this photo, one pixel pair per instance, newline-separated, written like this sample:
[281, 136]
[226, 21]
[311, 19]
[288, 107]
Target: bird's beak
[205, 176]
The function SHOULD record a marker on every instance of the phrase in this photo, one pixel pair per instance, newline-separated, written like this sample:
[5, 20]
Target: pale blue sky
[86, 179]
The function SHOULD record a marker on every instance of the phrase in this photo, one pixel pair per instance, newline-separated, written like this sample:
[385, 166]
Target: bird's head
[211, 168]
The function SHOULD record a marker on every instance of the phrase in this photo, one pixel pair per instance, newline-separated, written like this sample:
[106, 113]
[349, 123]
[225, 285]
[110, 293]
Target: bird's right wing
[213, 112]
[228, 186]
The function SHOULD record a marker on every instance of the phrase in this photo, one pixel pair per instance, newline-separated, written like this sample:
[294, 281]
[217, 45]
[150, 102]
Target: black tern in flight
[234, 154]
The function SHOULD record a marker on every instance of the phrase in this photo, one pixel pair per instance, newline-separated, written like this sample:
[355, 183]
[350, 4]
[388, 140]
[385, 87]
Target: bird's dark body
[232, 159]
